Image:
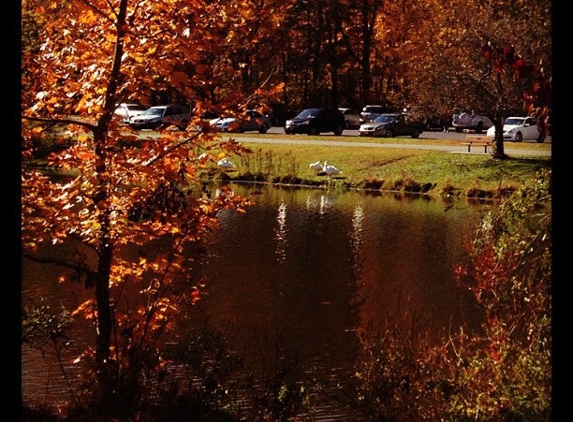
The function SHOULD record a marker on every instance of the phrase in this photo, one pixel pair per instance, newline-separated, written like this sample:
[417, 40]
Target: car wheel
[314, 131]
[479, 127]
[518, 137]
[416, 134]
[263, 128]
[338, 130]
[389, 133]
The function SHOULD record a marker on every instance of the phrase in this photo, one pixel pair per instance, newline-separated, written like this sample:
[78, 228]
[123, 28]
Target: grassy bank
[389, 169]
[431, 172]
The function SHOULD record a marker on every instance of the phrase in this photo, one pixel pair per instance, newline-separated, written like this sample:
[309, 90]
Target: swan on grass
[330, 169]
[317, 166]
[225, 163]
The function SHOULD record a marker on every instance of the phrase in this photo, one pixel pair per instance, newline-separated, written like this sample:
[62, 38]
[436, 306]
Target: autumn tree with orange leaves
[113, 195]
[491, 57]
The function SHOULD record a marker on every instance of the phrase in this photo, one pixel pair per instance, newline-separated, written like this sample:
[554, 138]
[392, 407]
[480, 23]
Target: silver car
[165, 115]
[351, 117]
[392, 124]
[471, 121]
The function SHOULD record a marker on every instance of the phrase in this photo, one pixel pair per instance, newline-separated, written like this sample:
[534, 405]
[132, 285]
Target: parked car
[279, 113]
[370, 112]
[517, 129]
[472, 121]
[153, 117]
[392, 124]
[351, 117]
[127, 110]
[314, 121]
[252, 120]
[441, 123]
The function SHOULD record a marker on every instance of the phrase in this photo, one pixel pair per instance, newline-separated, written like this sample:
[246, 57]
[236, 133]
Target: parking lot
[451, 135]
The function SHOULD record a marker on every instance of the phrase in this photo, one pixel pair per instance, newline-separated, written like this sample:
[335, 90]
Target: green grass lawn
[443, 170]
[381, 140]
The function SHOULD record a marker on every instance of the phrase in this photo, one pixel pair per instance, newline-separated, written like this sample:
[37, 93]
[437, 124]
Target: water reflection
[320, 202]
[281, 233]
[356, 236]
[305, 272]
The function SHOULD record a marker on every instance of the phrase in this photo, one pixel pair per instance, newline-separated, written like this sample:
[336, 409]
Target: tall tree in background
[397, 27]
[492, 57]
[242, 51]
[358, 29]
[307, 79]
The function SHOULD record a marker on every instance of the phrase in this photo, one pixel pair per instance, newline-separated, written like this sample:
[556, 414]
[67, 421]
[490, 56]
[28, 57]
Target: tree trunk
[498, 147]
[367, 24]
[104, 319]
[105, 249]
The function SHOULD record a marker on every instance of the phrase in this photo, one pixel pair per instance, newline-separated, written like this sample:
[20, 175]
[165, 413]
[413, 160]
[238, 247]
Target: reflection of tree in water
[280, 233]
[321, 203]
[357, 238]
[402, 280]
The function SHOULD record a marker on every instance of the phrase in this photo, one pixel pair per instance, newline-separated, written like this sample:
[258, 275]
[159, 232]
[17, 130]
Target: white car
[469, 121]
[517, 129]
[166, 115]
[126, 111]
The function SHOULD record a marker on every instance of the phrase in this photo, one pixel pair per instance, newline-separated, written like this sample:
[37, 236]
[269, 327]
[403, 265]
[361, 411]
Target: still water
[305, 272]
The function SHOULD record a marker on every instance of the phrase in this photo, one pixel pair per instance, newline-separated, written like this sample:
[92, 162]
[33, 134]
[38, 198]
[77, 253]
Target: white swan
[329, 169]
[316, 166]
[225, 163]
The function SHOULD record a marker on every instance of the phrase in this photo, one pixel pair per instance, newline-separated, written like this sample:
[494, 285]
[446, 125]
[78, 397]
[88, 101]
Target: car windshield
[384, 118]
[309, 112]
[155, 111]
[512, 121]
[135, 107]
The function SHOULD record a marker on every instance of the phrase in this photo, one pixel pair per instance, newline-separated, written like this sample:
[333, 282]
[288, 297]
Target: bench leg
[485, 148]
[469, 147]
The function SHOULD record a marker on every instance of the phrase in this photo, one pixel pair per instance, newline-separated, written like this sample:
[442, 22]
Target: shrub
[503, 371]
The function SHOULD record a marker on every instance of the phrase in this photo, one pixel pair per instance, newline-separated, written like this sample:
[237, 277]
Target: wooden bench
[478, 141]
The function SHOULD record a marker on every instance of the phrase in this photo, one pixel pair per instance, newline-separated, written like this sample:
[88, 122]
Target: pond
[303, 274]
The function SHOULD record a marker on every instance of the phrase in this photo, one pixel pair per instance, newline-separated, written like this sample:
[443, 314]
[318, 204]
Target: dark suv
[314, 121]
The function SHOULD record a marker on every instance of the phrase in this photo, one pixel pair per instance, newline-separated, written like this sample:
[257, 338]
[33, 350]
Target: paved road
[331, 140]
